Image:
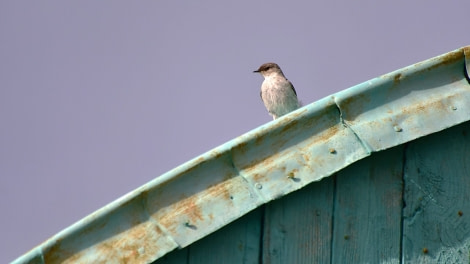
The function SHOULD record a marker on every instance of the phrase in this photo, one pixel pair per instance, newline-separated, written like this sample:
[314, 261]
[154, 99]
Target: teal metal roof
[206, 193]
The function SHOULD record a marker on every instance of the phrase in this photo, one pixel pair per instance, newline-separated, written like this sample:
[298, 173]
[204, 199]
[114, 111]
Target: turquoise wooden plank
[298, 227]
[237, 243]
[367, 215]
[436, 223]
[177, 256]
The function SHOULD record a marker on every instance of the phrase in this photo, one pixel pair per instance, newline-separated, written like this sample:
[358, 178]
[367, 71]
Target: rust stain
[318, 161]
[59, 252]
[449, 58]
[329, 133]
[268, 166]
[306, 157]
[397, 78]
[56, 254]
[136, 250]
[124, 248]
[289, 126]
[322, 138]
[303, 161]
[267, 162]
[219, 190]
[259, 138]
[242, 147]
[257, 176]
[187, 207]
[107, 250]
[354, 105]
[268, 154]
[191, 208]
[217, 154]
[446, 59]
[265, 153]
[425, 107]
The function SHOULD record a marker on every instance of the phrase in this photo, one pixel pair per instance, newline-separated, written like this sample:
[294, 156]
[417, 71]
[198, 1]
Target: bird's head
[269, 69]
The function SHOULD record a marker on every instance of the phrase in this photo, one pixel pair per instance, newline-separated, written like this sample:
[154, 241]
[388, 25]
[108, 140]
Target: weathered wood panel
[297, 227]
[178, 256]
[367, 215]
[437, 197]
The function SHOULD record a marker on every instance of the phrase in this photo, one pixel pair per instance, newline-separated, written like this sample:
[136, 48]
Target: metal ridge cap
[403, 105]
[395, 75]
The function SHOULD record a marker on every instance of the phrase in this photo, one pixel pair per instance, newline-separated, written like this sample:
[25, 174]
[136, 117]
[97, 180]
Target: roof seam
[346, 125]
[240, 173]
[149, 217]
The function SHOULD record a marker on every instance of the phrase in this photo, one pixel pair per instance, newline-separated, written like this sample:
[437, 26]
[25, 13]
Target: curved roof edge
[313, 142]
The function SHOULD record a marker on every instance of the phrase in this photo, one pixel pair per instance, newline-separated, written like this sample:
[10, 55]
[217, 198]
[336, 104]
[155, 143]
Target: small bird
[277, 93]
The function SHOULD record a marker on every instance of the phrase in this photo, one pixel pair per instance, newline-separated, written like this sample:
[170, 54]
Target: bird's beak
[256, 71]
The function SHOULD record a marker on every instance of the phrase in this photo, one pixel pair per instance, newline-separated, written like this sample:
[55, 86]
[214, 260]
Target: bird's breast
[278, 96]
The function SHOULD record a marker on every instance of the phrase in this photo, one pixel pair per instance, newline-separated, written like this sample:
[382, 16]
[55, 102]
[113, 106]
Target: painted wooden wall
[409, 204]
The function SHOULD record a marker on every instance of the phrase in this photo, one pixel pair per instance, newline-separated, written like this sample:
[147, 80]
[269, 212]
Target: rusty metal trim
[408, 103]
[306, 146]
[208, 192]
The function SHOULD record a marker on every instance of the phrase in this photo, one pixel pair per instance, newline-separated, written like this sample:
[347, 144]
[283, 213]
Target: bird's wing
[292, 86]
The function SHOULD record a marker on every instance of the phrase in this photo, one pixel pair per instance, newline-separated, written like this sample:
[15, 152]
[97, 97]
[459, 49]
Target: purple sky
[99, 97]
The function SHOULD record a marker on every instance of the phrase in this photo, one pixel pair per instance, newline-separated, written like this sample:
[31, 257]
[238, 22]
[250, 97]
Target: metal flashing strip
[409, 103]
[306, 146]
[212, 190]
